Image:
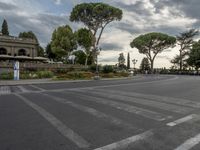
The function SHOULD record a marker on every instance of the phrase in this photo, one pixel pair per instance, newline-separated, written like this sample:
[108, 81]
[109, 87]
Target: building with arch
[21, 49]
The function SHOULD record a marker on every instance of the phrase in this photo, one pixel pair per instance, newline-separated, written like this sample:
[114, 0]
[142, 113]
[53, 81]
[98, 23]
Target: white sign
[16, 70]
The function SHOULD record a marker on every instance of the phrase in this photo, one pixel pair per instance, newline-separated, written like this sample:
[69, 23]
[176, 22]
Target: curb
[49, 81]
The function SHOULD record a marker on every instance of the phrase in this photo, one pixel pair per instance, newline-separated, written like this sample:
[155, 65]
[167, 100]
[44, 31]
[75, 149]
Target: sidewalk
[35, 81]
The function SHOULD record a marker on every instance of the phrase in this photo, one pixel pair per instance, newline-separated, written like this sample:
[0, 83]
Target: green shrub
[75, 75]
[108, 69]
[44, 74]
[6, 76]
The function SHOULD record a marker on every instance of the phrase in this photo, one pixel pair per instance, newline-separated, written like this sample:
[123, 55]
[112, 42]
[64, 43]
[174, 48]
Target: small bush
[75, 75]
[108, 69]
[6, 76]
[44, 74]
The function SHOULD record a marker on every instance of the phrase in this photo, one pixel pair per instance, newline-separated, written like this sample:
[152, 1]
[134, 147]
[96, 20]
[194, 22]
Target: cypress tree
[4, 30]
[128, 61]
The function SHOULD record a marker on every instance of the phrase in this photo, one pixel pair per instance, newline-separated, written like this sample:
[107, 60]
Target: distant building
[21, 49]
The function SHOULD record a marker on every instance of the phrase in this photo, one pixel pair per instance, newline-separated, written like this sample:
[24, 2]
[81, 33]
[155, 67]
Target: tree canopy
[31, 35]
[185, 41]
[4, 29]
[63, 42]
[121, 61]
[95, 16]
[84, 39]
[151, 44]
[194, 56]
[49, 52]
[145, 65]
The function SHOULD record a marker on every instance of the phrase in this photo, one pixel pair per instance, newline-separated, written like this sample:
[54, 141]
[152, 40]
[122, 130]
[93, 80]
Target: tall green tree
[128, 61]
[63, 42]
[176, 61]
[145, 65]
[151, 44]
[185, 41]
[121, 61]
[49, 52]
[4, 29]
[95, 16]
[194, 56]
[84, 38]
[31, 35]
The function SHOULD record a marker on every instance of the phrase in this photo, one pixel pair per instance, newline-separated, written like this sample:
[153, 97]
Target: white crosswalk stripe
[92, 111]
[155, 104]
[22, 89]
[170, 100]
[5, 90]
[125, 107]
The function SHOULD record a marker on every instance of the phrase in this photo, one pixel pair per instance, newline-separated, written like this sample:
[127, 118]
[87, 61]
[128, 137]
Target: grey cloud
[138, 7]
[164, 57]
[7, 7]
[128, 27]
[111, 46]
[109, 59]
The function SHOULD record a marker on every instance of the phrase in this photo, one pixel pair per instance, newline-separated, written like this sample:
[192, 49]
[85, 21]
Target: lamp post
[134, 63]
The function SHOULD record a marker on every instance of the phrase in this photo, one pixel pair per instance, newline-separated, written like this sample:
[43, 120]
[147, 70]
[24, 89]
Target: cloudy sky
[140, 16]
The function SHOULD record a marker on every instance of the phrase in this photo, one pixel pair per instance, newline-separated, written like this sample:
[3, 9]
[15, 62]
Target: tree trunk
[181, 62]
[86, 60]
[151, 66]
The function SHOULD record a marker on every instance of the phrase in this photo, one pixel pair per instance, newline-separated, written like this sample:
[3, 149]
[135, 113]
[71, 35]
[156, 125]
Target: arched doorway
[22, 52]
[3, 51]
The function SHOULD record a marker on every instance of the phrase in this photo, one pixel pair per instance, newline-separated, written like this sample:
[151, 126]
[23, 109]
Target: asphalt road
[144, 113]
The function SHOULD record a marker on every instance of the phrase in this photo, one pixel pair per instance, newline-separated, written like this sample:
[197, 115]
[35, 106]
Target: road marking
[22, 89]
[5, 90]
[93, 112]
[61, 127]
[123, 144]
[125, 107]
[156, 104]
[178, 101]
[115, 85]
[190, 143]
[36, 87]
[182, 120]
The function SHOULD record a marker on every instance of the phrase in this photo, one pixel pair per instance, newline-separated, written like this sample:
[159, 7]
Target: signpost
[16, 70]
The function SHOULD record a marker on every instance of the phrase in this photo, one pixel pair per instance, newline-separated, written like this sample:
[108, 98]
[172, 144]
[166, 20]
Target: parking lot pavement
[105, 115]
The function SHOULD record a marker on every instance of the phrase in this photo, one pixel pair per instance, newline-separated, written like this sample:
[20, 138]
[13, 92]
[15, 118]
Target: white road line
[115, 85]
[178, 101]
[126, 142]
[125, 107]
[61, 127]
[190, 143]
[156, 104]
[182, 120]
[22, 89]
[93, 112]
[36, 87]
[5, 90]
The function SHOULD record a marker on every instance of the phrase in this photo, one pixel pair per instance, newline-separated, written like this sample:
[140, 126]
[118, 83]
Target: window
[3, 51]
[22, 52]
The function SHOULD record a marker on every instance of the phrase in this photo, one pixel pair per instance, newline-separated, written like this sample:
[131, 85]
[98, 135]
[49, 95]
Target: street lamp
[134, 63]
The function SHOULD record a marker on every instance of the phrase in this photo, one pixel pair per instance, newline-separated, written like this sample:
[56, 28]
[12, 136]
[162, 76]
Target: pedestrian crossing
[5, 90]
[89, 101]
